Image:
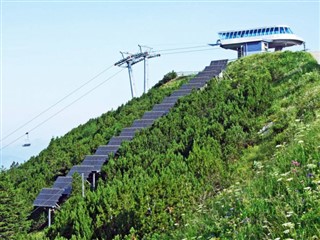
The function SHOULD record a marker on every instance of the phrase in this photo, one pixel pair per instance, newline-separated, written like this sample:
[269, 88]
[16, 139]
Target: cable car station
[250, 41]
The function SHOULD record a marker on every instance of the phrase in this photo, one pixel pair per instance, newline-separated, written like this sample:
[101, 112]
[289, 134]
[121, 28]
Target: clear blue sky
[49, 48]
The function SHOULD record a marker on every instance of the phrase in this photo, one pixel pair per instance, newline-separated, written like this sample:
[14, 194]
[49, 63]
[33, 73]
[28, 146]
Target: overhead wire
[181, 48]
[59, 101]
[165, 52]
[188, 51]
[61, 110]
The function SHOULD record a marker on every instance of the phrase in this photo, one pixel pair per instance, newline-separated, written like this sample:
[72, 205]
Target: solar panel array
[49, 197]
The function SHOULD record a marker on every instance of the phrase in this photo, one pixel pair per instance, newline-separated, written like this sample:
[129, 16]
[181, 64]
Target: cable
[174, 49]
[46, 120]
[53, 105]
[199, 50]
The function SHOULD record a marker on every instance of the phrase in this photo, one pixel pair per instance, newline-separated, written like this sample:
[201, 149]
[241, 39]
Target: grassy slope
[275, 185]
[206, 172]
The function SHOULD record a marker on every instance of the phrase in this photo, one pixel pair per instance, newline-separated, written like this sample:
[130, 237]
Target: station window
[242, 33]
[271, 31]
[263, 31]
[239, 34]
[255, 32]
[227, 36]
[276, 30]
[234, 35]
[247, 33]
[282, 30]
[268, 31]
[259, 32]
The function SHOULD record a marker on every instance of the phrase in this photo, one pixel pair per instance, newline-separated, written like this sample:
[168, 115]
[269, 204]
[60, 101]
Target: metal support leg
[49, 217]
[94, 180]
[82, 176]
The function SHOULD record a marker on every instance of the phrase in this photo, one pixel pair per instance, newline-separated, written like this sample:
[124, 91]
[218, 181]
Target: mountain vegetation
[239, 159]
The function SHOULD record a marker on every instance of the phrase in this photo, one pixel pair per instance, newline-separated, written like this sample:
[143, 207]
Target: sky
[52, 50]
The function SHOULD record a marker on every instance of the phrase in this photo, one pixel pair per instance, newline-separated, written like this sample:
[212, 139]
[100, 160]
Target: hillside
[236, 160]
[21, 183]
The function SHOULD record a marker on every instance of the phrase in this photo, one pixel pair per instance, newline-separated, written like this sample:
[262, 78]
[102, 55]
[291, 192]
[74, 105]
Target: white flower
[285, 174]
[286, 231]
[289, 214]
[288, 224]
[289, 179]
[311, 166]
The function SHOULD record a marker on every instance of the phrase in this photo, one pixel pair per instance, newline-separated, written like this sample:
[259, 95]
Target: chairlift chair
[27, 142]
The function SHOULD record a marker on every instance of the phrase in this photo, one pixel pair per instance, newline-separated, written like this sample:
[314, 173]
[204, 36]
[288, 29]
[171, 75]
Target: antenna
[128, 60]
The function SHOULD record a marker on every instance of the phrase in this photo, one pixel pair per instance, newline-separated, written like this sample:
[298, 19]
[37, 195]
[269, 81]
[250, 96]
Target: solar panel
[219, 62]
[181, 93]
[199, 81]
[189, 87]
[129, 132]
[48, 197]
[205, 75]
[107, 149]
[85, 169]
[96, 157]
[153, 114]
[170, 100]
[162, 107]
[44, 196]
[96, 164]
[51, 191]
[45, 203]
[64, 183]
[118, 140]
[199, 78]
[142, 123]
